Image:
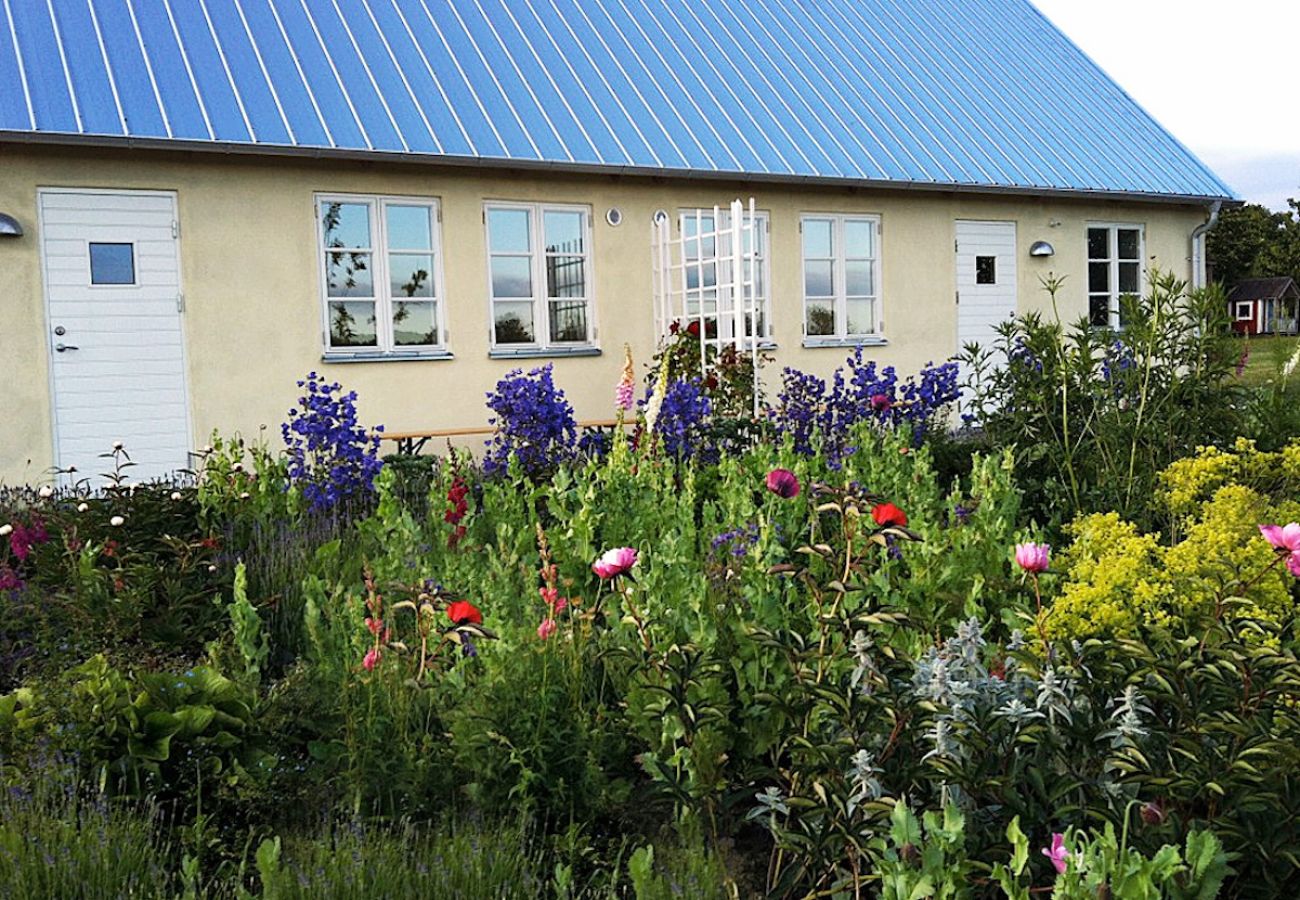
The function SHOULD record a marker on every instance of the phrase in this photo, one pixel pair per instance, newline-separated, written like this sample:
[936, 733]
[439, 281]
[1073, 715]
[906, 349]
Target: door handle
[59, 348]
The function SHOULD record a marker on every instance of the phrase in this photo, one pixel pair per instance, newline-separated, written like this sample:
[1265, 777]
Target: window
[701, 264]
[539, 264]
[112, 264]
[1245, 312]
[986, 270]
[841, 277]
[1114, 271]
[382, 275]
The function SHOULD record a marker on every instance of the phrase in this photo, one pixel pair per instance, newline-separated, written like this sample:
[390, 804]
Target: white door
[986, 282]
[113, 292]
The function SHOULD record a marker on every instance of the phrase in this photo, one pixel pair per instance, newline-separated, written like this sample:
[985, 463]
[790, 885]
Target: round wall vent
[660, 215]
[614, 216]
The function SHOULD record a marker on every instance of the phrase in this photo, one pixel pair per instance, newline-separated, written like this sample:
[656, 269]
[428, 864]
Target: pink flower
[1293, 565]
[783, 483]
[547, 628]
[375, 625]
[561, 605]
[1283, 537]
[549, 595]
[881, 402]
[1057, 853]
[625, 394]
[613, 563]
[1033, 557]
[373, 655]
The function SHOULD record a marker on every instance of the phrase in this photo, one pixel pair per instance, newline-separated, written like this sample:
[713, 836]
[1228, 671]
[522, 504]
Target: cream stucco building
[209, 213]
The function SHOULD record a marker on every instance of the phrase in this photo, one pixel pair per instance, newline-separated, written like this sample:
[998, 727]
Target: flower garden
[866, 644]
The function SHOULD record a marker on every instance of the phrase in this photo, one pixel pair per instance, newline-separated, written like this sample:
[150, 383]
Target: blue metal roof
[976, 94]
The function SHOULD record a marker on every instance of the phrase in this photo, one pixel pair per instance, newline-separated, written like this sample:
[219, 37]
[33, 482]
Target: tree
[1252, 241]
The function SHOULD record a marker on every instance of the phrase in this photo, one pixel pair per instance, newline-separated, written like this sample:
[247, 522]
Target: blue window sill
[379, 356]
[541, 352]
[869, 340]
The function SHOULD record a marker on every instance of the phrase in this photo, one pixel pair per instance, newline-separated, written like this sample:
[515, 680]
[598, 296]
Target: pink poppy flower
[1057, 853]
[783, 483]
[1283, 537]
[547, 628]
[373, 655]
[613, 563]
[1034, 558]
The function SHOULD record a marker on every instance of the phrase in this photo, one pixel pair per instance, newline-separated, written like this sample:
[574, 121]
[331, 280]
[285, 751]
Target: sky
[1220, 76]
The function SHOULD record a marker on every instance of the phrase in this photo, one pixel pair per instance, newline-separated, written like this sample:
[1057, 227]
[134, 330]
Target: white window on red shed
[1245, 311]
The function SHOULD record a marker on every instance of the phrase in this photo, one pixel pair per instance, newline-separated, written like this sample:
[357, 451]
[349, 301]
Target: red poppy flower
[693, 329]
[887, 514]
[463, 612]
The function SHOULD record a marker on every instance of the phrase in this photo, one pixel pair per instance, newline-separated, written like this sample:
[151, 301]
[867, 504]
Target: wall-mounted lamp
[9, 226]
[1042, 248]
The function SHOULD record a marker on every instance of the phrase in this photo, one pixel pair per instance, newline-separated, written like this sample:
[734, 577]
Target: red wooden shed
[1265, 306]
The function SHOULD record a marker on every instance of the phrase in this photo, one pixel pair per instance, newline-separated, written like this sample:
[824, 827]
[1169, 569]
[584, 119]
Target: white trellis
[708, 274]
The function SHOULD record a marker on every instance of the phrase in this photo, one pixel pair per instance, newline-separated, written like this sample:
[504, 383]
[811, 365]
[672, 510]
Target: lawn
[1266, 355]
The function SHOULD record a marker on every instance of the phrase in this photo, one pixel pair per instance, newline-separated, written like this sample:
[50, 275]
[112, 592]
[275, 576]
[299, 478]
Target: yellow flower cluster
[1118, 580]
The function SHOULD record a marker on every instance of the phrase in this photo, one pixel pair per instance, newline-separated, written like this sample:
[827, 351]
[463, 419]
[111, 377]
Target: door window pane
[509, 231]
[112, 263]
[346, 224]
[409, 227]
[352, 323]
[986, 270]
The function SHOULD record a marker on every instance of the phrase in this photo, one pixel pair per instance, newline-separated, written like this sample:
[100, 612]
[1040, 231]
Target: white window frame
[542, 345]
[763, 226]
[384, 300]
[1249, 307]
[1112, 249]
[839, 285]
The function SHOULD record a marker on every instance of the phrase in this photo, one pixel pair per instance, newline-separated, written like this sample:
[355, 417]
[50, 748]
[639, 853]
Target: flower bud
[82, 507]
[46, 491]
[6, 530]
[117, 521]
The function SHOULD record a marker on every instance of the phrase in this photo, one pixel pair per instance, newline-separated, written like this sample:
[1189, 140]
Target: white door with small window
[117, 364]
[986, 282]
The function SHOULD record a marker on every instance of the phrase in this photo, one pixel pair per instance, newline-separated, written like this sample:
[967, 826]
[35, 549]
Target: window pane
[1099, 311]
[410, 228]
[352, 323]
[859, 238]
[986, 270]
[345, 224]
[1098, 277]
[701, 275]
[411, 275]
[862, 315]
[569, 320]
[860, 277]
[1098, 243]
[566, 276]
[112, 264]
[1128, 243]
[752, 270]
[817, 239]
[348, 274]
[693, 245]
[414, 323]
[563, 232]
[512, 276]
[508, 231]
[821, 318]
[818, 280]
[1129, 277]
[514, 323]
